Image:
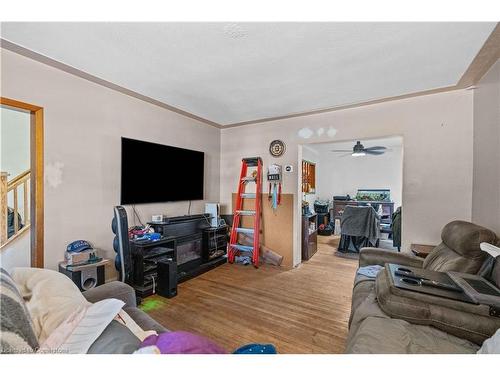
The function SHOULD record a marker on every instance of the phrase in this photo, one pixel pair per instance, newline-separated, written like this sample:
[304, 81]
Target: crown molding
[484, 60]
[346, 106]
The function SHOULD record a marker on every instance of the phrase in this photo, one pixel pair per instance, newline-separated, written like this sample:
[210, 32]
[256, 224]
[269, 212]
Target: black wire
[189, 208]
[136, 215]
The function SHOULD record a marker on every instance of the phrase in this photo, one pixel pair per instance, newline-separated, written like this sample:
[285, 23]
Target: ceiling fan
[360, 150]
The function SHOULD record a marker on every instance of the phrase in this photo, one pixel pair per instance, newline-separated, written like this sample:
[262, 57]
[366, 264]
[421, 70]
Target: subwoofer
[121, 245]
[167, 278]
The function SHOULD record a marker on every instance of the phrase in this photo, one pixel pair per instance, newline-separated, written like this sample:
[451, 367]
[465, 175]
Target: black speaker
[121, 245]
[167, 278]
[86, 277]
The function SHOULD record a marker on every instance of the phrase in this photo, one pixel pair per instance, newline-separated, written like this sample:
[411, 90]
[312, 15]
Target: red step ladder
[235, 247]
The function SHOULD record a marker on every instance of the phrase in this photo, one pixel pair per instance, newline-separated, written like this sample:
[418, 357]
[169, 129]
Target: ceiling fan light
[358, 153]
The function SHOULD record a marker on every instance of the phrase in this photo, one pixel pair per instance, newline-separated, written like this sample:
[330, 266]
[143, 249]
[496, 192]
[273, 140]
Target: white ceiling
[230, 73]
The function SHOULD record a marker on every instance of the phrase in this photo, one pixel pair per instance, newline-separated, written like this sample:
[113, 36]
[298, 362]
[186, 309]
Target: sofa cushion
[495, 273]
[363, 286]
[395, 336]
[17, 334]
[144, 321]
[444, 259]
[464, 238]
[466, 320]
[460, 249]
[115, 339]
[113, 289]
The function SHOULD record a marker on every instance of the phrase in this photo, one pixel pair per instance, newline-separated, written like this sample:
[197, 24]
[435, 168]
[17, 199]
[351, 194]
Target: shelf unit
[309, 236]
[145, 258]
[215, 242]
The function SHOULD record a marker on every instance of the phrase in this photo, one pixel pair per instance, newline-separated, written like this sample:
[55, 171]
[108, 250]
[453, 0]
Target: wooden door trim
[37, 197]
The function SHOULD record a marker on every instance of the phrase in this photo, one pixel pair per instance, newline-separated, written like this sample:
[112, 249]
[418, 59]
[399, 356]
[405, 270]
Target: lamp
[358, 153]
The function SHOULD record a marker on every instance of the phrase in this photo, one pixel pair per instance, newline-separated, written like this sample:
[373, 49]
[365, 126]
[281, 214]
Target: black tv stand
[193, 255]
[145, 257]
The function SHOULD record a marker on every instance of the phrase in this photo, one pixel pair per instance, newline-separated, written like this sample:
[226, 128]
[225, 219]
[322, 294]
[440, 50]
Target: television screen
[154, 173]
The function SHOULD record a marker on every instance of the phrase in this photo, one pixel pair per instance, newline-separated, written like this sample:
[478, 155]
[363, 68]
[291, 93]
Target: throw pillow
[16, 328]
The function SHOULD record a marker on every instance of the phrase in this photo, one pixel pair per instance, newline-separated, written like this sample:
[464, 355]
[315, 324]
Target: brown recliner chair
[373, 331]
[459, 251]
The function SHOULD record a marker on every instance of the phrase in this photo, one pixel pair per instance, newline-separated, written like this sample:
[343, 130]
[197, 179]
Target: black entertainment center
[187, 240]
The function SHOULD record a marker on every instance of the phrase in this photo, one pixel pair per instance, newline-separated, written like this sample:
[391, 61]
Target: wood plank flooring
[303, 310]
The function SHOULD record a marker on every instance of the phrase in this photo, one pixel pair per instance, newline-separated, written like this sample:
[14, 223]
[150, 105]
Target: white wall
[83, 125]
[14, 141]
[437, 160]
[15, 149]
[15, 159]
[486, 187]
[17, 253]
[339, 174]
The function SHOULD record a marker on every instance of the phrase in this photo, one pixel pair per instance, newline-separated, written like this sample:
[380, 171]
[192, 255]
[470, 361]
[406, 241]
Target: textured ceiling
[230, 73]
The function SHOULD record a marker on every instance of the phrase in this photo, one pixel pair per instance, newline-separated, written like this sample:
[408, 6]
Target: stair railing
[13, 186]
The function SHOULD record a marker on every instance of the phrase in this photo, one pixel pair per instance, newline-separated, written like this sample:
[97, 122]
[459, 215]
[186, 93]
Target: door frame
[36, 196]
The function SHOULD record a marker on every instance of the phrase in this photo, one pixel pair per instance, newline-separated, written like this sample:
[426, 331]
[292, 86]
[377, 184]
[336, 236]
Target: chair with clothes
[396, 228]
[359, 227]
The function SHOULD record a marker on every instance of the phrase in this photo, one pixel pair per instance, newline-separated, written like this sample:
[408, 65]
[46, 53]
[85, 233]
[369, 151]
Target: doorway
[344, 174]
[21, 184]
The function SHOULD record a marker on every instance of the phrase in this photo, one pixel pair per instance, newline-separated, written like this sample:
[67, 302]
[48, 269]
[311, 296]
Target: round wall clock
[277, 148]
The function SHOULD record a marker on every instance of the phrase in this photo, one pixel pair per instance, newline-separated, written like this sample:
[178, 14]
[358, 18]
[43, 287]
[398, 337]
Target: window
[308, 177]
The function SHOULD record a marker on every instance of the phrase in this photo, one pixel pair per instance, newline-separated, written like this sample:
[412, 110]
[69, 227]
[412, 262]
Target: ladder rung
[245, 212]
[248, 195]
[245, 230]
[248, 249]
[249, 179]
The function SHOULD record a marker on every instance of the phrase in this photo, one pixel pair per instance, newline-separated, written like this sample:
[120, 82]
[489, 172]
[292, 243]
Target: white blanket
[81, 329]
[50, 297]
[64, 321]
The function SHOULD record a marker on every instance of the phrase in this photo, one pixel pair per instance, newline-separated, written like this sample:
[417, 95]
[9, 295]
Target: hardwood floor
[303, 310]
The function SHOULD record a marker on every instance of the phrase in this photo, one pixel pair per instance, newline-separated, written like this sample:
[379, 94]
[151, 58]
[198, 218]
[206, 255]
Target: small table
[421, 250]
[85, 276]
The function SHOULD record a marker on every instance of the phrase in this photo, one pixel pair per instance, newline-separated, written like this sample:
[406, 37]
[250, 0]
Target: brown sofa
[373, 331]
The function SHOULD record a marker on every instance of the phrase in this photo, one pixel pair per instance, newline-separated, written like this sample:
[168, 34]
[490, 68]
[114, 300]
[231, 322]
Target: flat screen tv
[152, 173]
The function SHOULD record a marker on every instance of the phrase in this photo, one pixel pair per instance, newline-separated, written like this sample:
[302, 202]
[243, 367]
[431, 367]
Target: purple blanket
[181, 342]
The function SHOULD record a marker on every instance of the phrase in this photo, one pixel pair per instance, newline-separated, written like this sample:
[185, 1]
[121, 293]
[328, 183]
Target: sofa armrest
[114, 289]
[369, 256]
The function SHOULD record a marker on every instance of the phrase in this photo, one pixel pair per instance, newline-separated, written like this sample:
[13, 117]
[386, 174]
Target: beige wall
[486, 187]
[437, 160]
[83, 125]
